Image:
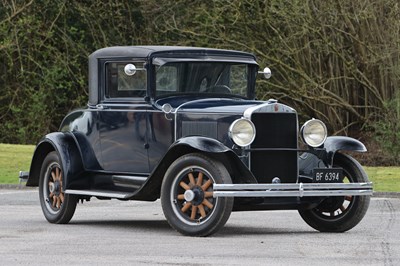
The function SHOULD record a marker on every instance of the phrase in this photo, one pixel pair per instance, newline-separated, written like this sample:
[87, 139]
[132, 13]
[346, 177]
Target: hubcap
[189, 195]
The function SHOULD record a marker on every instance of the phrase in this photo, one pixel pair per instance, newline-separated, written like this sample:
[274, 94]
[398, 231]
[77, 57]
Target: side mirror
[130, 69]
[267, 72]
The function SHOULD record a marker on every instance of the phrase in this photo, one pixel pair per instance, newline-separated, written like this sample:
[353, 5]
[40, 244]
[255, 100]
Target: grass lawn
[15, 158]
[385, 179]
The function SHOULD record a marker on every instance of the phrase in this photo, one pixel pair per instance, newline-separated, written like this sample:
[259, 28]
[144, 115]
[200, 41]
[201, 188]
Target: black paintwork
[127, 144]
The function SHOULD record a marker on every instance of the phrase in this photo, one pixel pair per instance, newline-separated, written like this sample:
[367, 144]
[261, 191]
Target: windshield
[213, 78]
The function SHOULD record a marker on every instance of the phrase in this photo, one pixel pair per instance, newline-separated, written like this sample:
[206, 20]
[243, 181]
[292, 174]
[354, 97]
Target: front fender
[238, 170]
[334, 144]
[323, 157]
[70, 157]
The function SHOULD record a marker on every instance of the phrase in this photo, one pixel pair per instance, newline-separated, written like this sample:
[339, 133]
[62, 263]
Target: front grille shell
[274, 150]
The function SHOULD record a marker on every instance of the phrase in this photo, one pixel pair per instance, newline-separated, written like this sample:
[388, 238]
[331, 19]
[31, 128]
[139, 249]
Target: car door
[123, 118]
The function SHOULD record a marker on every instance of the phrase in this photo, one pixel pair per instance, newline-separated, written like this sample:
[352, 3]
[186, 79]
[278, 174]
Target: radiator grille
[275, 130]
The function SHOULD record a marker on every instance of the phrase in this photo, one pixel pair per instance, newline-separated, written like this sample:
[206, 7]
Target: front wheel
[57, 207]
[187, 195]
[339, 214]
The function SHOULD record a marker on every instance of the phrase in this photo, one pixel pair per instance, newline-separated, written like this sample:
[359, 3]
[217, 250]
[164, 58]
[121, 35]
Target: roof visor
[159, 61]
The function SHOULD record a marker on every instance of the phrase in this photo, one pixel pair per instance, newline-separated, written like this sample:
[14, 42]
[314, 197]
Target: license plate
[327, 175]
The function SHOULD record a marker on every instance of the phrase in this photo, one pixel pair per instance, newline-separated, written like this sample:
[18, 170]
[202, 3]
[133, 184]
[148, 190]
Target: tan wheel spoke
[53, 175]
[193, 214]
[200, 179]
[181, 197]
[184, 185]
[60, 176]
[57, 174]
[58, 202]
[208, 194]
[191, 179]
[186, 207]
[51, 195]
[206, 185]
[62, 197]
[54, 201]
[202, 211]
[348, 198]
[207, 203]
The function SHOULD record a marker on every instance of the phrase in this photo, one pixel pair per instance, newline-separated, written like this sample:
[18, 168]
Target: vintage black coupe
[182, 124]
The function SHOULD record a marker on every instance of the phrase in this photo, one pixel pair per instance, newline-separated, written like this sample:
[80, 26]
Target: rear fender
[211, 147]
[70, 158]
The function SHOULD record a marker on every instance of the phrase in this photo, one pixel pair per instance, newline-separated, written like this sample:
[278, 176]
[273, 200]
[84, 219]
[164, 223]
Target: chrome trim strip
[292, 190]
[97, 193]
[284, 108]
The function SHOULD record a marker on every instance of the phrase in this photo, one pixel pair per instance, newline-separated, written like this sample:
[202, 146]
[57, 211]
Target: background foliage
[333, 60]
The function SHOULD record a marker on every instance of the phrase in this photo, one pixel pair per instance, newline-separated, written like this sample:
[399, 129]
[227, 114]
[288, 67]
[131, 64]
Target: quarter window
[122, 83]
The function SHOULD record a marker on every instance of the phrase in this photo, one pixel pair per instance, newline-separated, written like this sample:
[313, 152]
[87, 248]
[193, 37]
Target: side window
[126, 79]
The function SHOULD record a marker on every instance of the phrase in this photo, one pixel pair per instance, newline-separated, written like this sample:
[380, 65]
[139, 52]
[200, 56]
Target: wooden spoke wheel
[57, 207]
[56, 195]
[194, 196]
[187, 195]
[339, 214]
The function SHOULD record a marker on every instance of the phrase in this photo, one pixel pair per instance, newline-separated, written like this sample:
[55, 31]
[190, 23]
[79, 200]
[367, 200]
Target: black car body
[182, 124]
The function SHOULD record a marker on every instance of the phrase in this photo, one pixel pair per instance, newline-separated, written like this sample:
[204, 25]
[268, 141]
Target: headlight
[242, 132]
[314, 133]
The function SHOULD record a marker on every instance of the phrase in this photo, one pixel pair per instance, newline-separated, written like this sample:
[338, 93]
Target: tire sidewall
[67, 209]
[357, 208]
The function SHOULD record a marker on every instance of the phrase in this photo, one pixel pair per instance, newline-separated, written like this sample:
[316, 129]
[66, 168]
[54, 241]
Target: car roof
[150, 51]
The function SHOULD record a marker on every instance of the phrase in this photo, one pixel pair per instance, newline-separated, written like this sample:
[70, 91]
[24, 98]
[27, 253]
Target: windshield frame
[252, 68]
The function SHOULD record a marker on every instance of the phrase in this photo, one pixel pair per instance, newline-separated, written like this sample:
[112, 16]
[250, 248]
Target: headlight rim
[231, 136]
[307, 123]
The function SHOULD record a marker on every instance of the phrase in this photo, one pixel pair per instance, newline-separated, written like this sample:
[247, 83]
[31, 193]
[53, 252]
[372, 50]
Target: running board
[99, 193]
[293, 190]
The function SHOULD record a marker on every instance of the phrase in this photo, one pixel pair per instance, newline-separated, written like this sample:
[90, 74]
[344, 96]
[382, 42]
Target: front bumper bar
[293, 190]
[23, 176]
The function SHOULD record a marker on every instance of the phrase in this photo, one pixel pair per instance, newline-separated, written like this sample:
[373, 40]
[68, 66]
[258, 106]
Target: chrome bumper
[23, 176]
[292, 190]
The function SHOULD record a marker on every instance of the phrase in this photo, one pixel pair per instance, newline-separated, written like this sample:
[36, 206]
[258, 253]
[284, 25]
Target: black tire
[57, 207]
[199, 214]
[339, 214]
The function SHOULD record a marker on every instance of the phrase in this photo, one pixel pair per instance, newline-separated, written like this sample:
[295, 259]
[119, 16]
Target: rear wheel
[187, 195]
[57, 207]
[339, 214]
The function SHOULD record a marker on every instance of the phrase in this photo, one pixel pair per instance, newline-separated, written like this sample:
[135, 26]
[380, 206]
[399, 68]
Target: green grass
[15, 158]
[385, 179]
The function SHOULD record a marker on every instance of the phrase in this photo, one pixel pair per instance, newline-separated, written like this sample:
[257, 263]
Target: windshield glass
[213, 78]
